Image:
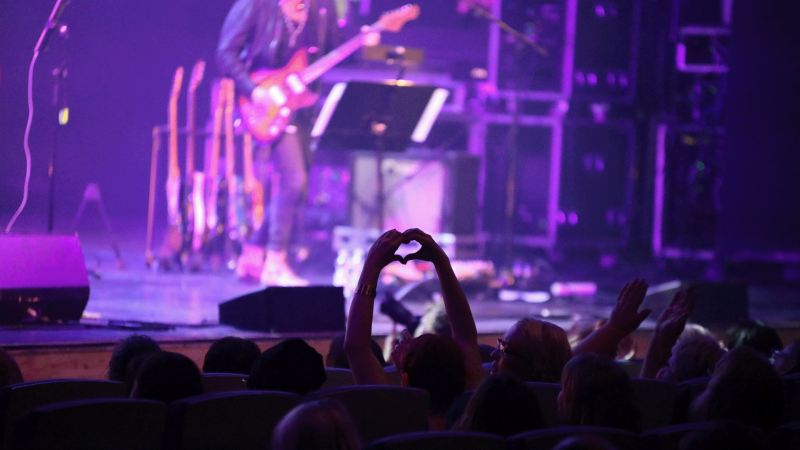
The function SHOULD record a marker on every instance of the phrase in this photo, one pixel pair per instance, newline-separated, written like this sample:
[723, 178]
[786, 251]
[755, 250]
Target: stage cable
[49, 26]
[26, 146]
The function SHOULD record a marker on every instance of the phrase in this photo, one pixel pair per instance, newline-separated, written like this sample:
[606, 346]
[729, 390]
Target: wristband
[365, 290]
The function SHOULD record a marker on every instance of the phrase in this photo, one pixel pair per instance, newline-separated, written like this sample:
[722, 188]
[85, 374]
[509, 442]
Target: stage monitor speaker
[718, 304]
[287, 309]
[42, 279]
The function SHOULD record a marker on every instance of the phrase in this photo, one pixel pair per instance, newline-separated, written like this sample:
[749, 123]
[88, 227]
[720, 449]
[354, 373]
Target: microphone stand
[522, 42]
[62, 112]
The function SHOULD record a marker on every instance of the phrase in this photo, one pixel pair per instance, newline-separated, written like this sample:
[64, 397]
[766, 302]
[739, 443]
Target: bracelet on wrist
[366, 290]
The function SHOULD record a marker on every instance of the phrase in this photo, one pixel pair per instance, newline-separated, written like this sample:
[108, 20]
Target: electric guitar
[253, 189]
[192, 195]
[172, 245]
[236, 222]
[216, 189]
[286, 87]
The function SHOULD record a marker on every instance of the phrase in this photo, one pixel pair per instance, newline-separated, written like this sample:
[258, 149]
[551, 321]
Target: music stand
[378, 116]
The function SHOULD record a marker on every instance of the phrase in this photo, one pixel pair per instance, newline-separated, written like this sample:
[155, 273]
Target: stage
[180, 307]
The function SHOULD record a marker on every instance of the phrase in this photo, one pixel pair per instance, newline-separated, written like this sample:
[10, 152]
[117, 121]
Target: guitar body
[173, 243]
[287, 95]
[199, 210]
[286, 87]
[237, 220]
[254, 191]
[216, 190]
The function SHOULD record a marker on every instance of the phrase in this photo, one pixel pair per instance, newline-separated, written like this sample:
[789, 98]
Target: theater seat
[229, 420]
[791, 384]
[122, 424]
[656, 400]
[668, 438]
[17, 399]
[547, 394]
[337, 378]
[214, 383]
[439, 440]
[395, 376]
[784, 437]
[381, 411]
[685, 393]
[633, 367]
[549, 438]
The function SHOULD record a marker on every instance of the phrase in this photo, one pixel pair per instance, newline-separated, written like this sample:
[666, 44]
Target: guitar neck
[230, 157]
[190, 123]
[247, 159]
[337, 55]
[173, 170]
[213, 170]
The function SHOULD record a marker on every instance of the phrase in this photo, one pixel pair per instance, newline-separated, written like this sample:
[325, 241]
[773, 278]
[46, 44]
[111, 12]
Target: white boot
[251, 262]
[278, 273]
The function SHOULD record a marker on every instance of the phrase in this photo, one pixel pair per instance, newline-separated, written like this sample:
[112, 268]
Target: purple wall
[121, 57]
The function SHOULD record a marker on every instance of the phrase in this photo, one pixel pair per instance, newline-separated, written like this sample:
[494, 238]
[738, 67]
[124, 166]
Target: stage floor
[182, 307]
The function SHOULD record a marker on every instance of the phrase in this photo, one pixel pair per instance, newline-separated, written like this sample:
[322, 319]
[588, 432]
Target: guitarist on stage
[260, 34]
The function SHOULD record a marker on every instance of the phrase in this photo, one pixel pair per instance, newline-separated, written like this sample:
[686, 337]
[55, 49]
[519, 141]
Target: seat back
[487, 369]
[123, 424]
[439, 440]
[17, 399]
[228, 420]
[214, 383]
[549, 438]
[547, 394]
[656, 401]
[633, 367]
[685, 393]
[381, 411]
[791, 384]
[786, 436]
[395, 376]
[337, 378]
[668, 438]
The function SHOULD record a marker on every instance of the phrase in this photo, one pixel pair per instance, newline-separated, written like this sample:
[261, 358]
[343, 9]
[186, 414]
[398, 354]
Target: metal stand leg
[92, 194]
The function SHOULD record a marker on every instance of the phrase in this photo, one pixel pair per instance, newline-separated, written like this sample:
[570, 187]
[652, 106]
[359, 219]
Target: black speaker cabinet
[287, 309]
[718, 304]
[42, 279]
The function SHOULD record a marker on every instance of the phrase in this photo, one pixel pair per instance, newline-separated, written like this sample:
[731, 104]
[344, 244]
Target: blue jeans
[291, 157]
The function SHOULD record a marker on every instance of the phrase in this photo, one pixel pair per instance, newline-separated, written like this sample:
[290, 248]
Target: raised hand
[669, 327]
[382, 252]
[626, 317]
[673, 319]
[430, 250]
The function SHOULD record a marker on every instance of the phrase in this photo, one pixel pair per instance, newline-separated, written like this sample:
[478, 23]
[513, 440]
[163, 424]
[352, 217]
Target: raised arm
[455, 302]
[669, 327]
[365, 366]
[625, 319]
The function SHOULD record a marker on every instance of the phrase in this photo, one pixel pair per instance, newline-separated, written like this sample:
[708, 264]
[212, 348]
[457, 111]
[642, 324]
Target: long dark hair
[746, 388]
[435, 362]
[598, 392]
[501, 405]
